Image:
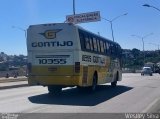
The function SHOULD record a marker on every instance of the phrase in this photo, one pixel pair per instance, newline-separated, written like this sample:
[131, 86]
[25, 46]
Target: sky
[17, 15]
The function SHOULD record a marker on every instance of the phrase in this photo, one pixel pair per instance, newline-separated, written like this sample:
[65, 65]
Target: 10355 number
[52, 61]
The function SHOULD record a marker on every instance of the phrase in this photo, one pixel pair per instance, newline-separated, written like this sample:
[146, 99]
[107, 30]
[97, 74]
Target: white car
[146, 71]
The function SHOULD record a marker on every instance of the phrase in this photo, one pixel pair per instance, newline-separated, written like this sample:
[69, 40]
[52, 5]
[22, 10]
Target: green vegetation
[135, 59]
[11, 61]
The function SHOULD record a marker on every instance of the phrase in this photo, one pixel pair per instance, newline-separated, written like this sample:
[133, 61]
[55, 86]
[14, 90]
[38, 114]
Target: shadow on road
[81, 98]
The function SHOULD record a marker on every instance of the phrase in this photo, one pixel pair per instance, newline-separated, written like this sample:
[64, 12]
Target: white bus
[63, 54]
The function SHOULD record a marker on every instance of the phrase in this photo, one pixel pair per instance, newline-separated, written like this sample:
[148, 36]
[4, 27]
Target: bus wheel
[114, 83]
[94, 83]
[55, 90]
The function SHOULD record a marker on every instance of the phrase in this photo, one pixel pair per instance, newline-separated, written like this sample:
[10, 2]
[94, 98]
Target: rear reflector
[77, 67]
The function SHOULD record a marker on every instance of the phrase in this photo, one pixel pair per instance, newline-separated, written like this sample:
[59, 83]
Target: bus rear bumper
[55, 80]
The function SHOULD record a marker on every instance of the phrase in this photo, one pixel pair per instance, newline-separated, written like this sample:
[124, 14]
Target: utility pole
[74, 11]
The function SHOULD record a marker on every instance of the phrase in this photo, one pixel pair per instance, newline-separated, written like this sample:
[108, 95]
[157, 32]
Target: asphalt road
[135, 93]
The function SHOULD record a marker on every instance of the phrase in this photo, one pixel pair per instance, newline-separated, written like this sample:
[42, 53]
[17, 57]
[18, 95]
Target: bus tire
[94, 82]
[55, 90]
[114, 83]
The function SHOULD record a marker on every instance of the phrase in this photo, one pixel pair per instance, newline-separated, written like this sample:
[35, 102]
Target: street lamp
[142, 38]
[111, 23]
[147, 5]
[21, 30]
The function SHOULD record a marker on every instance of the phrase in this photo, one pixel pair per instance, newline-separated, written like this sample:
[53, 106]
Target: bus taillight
[77, 67]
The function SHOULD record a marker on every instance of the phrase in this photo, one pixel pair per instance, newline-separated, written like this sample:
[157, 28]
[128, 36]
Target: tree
[135, 52]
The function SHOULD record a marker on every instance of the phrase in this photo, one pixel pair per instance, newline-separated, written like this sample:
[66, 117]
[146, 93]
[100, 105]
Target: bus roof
[96, 35]
[79, 27]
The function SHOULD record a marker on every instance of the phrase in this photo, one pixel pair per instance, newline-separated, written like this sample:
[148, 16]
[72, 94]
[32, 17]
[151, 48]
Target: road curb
[14, 86]
[5, 80]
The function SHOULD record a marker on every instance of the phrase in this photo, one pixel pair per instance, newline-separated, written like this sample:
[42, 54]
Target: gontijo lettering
[94, 59]
[52, 44]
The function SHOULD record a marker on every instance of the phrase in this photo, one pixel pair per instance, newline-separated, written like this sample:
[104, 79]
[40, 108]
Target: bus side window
[113, 50]
[82, 40]
[87, 43]
[116, 50]
[109, 49]
[107, 45]
[99, 50]
[102, 46]
[112, 46]
[91, 43]
[119, 51]
[105, 48]
[95, 45]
